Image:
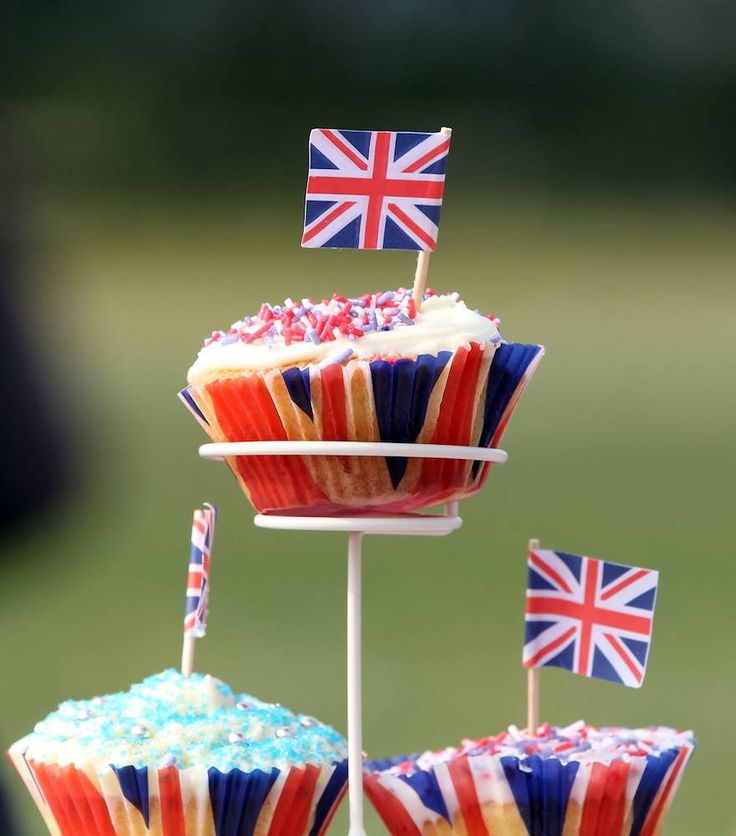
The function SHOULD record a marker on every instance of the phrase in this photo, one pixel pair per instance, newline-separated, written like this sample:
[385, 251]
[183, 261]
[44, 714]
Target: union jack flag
[589, 616]
[374, 190]
[198, 582]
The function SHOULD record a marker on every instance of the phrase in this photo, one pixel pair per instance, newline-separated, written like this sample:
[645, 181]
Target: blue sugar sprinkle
[336, 358]
[203, 728]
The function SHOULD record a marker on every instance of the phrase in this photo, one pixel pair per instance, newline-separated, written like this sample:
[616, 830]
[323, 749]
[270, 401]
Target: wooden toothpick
[420, 277]
[532, 684]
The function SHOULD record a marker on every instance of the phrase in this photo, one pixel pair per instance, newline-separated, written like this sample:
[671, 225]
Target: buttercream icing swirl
[343, 329]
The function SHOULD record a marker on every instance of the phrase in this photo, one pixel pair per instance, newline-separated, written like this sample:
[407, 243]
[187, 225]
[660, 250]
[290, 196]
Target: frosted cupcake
[185, 756]
[370, 368]
[574, 781]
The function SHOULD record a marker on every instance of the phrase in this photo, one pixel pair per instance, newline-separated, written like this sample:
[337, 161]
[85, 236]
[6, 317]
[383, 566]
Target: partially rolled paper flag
[198, 583]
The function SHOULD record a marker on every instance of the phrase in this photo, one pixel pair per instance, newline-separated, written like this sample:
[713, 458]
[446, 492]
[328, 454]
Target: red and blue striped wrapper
[465, 397]
[101, 800]
[493, 795]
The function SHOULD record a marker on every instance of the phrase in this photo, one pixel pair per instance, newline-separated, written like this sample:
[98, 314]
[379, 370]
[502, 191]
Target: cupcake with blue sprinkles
[370, 368]
[182, 755]
[578, 780]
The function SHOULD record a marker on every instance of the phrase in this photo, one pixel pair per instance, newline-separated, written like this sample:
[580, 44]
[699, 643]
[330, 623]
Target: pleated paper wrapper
[492, 795]
[464, 398]
[101, 800]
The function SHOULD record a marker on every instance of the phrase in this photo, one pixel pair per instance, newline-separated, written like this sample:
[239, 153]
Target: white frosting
[444, 323]
[577, 742]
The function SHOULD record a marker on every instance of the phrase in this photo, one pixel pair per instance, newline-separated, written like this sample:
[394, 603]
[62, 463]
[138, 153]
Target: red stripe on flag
[537, 561]
[559, 642]
[625, 656]
[609, 593]
[345, 148]
[423, 160]
[462, 781]
[541, 605]
[374, 187]
[375, 201]
[327, 220]
[414, 227]
[586, 625]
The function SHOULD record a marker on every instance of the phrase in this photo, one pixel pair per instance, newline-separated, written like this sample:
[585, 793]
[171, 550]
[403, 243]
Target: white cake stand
[427, 525]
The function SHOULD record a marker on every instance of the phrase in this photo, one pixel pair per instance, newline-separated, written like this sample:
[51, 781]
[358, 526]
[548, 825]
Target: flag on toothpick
[375, 190]
[590, 616]
[198, 583]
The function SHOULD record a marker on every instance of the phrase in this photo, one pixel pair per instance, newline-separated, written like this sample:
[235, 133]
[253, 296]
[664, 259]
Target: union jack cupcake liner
[93, 800]
[465, 397]
[491, 795]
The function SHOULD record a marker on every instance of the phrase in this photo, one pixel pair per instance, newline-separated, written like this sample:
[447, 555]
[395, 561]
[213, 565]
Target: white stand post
[355, 691]
[422, 525]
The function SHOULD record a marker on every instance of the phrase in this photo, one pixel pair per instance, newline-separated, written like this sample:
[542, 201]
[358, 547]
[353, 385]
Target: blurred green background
[152, 163]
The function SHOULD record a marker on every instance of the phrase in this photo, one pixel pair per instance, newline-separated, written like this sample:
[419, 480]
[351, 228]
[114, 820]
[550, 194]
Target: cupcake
[573, 781]
[370, 368]
[182, 756]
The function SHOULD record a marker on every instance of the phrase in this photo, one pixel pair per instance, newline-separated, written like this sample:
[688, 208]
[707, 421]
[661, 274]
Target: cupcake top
[170, 719]
[577, 742]
[338, 329]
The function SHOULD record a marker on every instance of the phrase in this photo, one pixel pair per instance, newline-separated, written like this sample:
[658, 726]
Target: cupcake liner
[16, 755]
[94, 800]
[186, 398]
[484, 795]
[465, 397]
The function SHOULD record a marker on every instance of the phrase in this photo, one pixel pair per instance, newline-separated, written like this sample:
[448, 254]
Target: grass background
[623, 447]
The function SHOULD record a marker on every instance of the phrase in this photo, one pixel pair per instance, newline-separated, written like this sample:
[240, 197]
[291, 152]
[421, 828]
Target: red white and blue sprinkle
[335, 359]
[339, 317]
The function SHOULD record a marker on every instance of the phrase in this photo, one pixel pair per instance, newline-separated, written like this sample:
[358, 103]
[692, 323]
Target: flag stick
[207, 518]
[420, 277]
[532, 684]
[187, 655]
